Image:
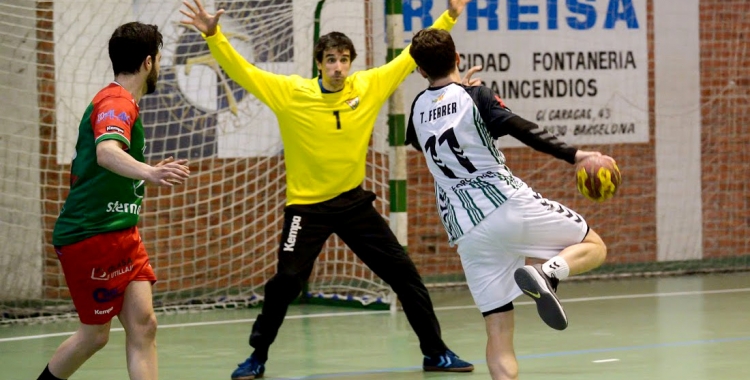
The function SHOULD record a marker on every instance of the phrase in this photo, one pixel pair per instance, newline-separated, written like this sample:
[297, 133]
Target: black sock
[260, 355]
[47, 375]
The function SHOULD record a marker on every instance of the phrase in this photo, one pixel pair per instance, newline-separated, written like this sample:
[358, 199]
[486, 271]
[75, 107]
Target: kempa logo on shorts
[292, 238]
[105, 311]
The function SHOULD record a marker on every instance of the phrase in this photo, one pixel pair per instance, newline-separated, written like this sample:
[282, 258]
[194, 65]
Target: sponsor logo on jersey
[103, 295]
[128, 208]
[104, 274]
[112, 128]
[110, 115]
[501, 102]
[353, 102]
[477, 180]
[291, 240]
[138, 187]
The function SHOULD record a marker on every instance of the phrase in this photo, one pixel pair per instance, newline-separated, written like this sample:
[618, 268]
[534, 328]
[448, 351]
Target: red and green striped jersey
[100, 200]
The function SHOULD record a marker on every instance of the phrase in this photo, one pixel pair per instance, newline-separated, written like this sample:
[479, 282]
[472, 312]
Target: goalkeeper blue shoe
[447, 362]
[249, 369]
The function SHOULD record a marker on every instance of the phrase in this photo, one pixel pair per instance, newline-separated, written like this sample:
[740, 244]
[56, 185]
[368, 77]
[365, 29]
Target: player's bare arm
[197, 17]
[169, 172]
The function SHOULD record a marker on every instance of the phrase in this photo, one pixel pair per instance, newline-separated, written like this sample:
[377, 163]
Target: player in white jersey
[494, 218]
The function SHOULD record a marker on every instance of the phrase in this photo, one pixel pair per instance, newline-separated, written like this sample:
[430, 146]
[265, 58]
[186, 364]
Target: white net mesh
[212, 242]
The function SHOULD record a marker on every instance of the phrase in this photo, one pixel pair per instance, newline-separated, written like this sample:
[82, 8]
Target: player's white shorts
[526, 225]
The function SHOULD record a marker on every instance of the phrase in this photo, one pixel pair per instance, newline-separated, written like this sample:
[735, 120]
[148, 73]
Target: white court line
[620, 297]
[374, 312]
[606, 361]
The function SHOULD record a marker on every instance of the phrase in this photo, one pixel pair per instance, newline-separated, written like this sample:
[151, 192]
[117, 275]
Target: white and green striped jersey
[455, 127]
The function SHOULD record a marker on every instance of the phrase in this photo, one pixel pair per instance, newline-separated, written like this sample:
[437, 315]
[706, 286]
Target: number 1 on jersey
[338, 121]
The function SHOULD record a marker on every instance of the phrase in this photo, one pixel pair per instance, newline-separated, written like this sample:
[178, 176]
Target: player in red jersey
[104, 261]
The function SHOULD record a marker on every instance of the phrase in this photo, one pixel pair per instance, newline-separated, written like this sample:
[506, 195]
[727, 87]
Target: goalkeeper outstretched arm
[389, 76]
[271, 89]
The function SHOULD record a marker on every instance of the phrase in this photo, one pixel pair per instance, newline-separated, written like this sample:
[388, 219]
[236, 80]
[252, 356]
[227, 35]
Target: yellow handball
[598, 178]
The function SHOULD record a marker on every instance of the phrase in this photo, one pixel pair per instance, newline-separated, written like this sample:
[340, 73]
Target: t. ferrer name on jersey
[130, 208]
[438, 112]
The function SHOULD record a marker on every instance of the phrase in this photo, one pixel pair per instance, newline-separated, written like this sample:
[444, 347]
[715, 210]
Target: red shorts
[98, 269]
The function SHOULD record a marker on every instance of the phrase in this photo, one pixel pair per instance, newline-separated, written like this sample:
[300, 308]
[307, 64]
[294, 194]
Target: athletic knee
[148, 327]
[95, 340]
[601, 248]
[143, 329]
[99, 341]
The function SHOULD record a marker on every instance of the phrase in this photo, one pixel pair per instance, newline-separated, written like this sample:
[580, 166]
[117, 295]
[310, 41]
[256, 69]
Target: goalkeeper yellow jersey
[325, 135]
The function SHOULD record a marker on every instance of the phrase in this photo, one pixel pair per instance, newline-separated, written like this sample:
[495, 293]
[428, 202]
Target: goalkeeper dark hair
[434, 52]
[130, 44]
[333, 40]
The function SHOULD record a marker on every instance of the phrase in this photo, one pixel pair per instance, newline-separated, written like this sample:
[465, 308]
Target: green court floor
[686, 328]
